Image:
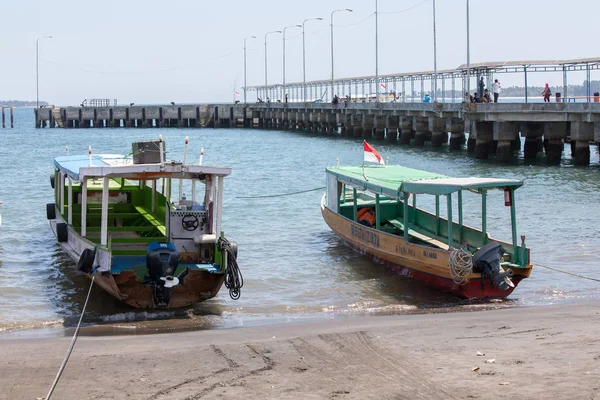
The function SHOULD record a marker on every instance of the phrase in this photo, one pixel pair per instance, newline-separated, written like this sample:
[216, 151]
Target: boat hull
[199, 285]
[422, 263]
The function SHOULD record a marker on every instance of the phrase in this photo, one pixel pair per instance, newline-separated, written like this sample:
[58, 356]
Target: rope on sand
[64, 363]
[567, 273]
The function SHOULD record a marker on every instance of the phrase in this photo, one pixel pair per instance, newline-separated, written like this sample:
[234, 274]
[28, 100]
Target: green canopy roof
[391, 180]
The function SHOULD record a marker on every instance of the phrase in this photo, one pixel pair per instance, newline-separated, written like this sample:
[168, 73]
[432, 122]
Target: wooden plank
[420, 236]
[150, 218]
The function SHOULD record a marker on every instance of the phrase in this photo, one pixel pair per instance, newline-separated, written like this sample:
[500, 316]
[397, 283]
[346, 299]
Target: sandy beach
[529, 353]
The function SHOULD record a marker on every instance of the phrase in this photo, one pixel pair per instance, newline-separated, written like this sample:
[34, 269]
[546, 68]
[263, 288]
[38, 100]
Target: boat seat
[424, 238]
[152, 219]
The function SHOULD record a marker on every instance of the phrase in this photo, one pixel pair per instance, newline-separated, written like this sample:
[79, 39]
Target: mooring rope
[567, 273]
[64, 363]
[461, 265]
[281, 195]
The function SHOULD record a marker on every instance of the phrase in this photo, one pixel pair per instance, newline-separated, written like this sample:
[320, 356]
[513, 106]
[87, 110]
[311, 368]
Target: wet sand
[536, 352]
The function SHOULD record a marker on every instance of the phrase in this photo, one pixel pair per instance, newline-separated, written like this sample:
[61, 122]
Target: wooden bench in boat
[419, 236]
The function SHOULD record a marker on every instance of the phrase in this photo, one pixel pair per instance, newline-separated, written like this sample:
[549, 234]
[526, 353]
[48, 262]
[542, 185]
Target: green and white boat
[115, 215]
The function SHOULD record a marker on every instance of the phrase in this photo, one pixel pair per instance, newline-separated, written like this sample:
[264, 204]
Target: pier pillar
[484, 133]
[439, 134]
[533, 132]
[358, 127]
[456, 127]
[367, 132]
[391, 128]
[554, 135]
[378, 127]
[472, 131]
[582, 133]
[421, 128]
[504, 134]
[406, 131]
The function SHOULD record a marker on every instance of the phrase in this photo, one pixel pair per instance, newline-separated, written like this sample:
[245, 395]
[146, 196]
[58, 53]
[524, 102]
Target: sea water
[294, 266]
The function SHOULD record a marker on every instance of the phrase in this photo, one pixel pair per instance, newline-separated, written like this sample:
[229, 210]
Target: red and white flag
[237, 94]
[372, 155]
[383, 86]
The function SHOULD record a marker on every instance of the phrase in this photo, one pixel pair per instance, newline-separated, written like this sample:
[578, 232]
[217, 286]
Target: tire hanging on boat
[86, 261]
[62, 232]
[51, 211]
[52, 180]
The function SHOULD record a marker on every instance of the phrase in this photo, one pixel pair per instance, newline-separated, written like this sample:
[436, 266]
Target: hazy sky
[191, 51]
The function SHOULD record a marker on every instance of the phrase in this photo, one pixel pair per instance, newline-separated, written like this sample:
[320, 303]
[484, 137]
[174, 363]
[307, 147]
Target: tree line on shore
[20, 103]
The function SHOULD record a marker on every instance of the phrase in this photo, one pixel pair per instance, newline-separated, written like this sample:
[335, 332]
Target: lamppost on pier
[304, 57]
[332, 76]
[434, 58]
[245, 84]
[376, 52]
[468, 54]
[37, 69]
[291, 26]
[266, 34]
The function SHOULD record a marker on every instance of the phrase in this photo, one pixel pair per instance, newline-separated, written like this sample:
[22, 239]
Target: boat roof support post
[377, 216]
[405, 202]
[437, 215]
[513, 225]
[56, 187]
[449, 202]
[414, 209]
[104, 217]
[169, 183]
[484, 215]
[153, 207]
[460, 217]
[355, 205]
[219, 203]
[61, 193]
[70, 201]
[84, 207]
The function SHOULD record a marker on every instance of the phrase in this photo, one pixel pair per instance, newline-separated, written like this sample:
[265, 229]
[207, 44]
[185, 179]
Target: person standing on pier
[496, 88]
[481, 87]
[547, 93]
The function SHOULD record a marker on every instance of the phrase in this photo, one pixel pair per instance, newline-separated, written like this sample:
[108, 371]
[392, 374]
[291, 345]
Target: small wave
[138, 316]
[19, 326]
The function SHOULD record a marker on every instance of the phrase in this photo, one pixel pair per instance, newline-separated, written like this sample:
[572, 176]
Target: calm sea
[294, 267]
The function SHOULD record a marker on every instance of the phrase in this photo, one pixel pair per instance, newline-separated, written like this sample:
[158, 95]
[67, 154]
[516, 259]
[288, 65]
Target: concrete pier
[492, 128]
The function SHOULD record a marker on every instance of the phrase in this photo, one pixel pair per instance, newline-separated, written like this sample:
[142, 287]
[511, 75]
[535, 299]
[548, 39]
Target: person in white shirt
[496, 89]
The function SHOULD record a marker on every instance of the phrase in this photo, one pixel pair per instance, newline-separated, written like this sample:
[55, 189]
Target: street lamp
[468, 54]
[37, 69]
[291, 26]
[333, 12]
[376, 53]
[247, 37]
[304, 57]
[434, 58]
[266, 34]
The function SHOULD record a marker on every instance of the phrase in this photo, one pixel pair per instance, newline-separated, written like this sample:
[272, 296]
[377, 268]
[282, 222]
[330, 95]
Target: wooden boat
[115, 216]
[374, 210]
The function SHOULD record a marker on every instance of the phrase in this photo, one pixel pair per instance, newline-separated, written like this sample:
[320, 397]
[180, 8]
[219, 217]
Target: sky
[191, 51]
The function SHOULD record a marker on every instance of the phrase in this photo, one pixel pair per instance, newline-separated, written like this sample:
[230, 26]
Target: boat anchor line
[566, 272]
[281, 195]
[75, 335]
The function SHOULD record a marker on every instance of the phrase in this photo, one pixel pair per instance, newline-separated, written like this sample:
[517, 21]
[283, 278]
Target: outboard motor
[487, 261]
[162, 260]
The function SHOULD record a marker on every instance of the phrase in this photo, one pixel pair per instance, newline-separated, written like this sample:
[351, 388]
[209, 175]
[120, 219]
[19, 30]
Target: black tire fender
[234, 249]
[86, 261]
[51, 211]
[62, 232]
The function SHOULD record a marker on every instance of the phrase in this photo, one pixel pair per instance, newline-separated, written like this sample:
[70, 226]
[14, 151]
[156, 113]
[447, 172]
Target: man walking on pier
[496, 89]
[481, 87]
